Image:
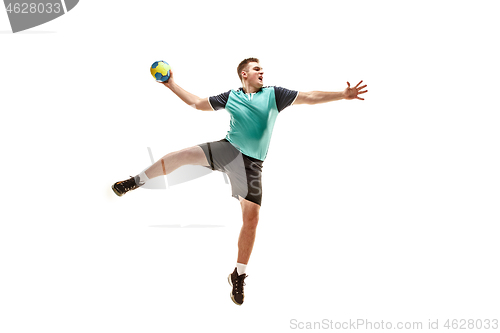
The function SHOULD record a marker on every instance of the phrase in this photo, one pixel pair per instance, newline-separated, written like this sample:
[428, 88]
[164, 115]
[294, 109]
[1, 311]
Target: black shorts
[244, 172]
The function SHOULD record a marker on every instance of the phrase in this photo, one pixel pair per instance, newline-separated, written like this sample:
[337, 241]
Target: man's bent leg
[164, 166]
[170, 162]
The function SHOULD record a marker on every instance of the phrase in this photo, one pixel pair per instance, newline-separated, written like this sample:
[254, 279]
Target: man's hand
[352, 93]
[170, 81]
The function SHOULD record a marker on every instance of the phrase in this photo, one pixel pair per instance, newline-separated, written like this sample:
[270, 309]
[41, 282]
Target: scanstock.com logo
[31, 13]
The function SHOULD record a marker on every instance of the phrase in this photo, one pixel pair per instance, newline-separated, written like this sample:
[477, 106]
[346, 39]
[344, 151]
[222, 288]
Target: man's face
[254, 74]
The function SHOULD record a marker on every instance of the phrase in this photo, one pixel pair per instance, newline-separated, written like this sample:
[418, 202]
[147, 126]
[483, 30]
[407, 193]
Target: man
[253, 109]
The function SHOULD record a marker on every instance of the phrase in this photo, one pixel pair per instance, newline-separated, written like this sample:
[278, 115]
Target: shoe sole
[231, 292]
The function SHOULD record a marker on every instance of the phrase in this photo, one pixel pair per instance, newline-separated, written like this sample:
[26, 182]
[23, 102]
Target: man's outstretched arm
[188, 98]
[317, 97]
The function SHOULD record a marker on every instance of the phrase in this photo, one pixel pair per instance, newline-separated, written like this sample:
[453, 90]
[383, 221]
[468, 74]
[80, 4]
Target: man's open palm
[352, 93]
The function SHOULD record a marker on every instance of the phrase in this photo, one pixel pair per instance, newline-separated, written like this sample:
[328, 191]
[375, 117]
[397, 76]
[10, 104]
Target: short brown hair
[244, 64]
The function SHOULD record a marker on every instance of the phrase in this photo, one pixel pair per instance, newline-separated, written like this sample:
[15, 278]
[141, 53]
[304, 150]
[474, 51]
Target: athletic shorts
[244, 172]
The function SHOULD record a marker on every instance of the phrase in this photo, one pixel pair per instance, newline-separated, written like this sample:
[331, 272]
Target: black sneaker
[120, 188]
[237, 282]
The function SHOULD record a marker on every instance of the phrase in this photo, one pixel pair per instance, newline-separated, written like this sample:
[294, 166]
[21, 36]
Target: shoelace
[128, 184]
[239, 283]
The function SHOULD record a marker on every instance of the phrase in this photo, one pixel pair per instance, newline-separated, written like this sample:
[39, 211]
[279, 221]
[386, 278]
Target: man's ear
[243, 74]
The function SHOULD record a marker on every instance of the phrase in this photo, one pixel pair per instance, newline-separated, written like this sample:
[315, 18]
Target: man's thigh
[192, 155]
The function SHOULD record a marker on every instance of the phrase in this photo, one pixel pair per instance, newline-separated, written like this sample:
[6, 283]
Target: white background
[383, 209]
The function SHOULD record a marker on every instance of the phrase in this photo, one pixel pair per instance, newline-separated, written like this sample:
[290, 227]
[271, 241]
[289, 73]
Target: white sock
[141, 178]
[241, 268]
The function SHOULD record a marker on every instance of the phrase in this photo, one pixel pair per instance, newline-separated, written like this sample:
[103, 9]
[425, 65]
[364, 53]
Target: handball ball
[161, 71]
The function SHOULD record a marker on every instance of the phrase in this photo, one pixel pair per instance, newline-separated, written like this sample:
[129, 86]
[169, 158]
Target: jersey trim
[298, 92]
[209, 103]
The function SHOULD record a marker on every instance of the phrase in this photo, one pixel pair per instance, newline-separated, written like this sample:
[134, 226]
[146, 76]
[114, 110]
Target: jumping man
[253, 109]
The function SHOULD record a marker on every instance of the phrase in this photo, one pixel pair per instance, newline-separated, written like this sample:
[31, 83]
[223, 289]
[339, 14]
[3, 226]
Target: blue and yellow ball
[160, 71]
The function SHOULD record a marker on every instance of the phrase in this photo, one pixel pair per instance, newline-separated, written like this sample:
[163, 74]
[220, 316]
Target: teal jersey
[253, 117]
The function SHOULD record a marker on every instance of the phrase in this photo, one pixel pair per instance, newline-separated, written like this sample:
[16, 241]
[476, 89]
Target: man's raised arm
[317, 97]
[188, 98]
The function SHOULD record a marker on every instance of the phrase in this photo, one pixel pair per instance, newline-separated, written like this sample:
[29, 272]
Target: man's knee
[250, 213]
[251, 220]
